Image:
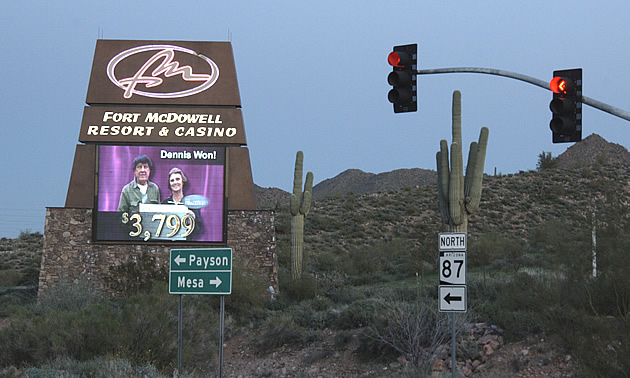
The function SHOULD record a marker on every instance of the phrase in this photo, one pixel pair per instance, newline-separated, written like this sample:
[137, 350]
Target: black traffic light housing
[404, 62]
[566, 105]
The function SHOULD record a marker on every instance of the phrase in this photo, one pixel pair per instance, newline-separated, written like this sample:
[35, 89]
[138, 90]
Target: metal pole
[594, 240]
[221, 317]
[179, 338]
[541, 83]
[453, 349]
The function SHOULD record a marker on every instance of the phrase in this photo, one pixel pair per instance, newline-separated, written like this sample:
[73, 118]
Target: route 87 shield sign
[453, 268]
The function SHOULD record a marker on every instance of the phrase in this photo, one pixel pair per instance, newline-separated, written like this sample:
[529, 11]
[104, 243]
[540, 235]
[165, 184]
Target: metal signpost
[200, 271]
[452, 288]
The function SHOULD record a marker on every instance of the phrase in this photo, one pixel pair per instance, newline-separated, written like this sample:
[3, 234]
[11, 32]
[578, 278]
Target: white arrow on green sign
[200, 271]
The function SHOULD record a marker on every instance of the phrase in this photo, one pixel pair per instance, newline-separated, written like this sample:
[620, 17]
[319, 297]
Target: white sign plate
[452, 298]
[452, 268]
[452, 241]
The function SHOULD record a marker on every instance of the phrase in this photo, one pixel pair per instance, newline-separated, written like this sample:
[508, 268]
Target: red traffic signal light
[562, 85]
[566, 105]
[404, 62]
[399, 59]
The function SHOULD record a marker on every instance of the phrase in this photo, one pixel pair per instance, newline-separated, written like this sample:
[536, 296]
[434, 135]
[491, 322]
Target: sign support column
[452, 287]
[200, 271]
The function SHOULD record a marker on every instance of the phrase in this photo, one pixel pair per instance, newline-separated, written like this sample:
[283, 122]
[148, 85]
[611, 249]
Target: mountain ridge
[591, 150]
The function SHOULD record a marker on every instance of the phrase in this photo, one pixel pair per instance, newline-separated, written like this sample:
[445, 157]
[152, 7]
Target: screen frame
[99, 227]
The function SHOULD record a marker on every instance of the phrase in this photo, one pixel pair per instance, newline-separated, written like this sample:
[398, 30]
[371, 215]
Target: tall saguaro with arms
[300, 205]
[404, 62]
[566, 105]
[459, 196]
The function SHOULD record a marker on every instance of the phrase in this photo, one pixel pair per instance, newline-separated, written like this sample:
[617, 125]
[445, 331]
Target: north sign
[452, 241]
[200, 271]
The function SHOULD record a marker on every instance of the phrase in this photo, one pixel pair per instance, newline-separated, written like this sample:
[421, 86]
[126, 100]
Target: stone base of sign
[70, 255]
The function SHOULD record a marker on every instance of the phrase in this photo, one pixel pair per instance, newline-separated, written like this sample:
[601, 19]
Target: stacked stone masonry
[70, 255]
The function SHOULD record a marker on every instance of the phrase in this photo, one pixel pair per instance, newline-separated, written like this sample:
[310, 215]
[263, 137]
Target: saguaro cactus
[458, 196]
[300, 205]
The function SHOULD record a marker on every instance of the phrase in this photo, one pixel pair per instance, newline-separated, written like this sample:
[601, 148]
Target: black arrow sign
[450, 298]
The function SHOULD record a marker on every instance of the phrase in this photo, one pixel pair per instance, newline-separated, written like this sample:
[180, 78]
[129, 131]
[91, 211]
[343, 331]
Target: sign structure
[160, 111]
[200, 271]
[452, 271]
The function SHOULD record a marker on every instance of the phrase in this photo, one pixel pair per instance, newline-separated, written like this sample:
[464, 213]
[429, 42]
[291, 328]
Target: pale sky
[312, 77]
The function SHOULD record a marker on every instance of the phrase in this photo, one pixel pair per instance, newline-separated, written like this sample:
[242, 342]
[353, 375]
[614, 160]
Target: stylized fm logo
[166, 65]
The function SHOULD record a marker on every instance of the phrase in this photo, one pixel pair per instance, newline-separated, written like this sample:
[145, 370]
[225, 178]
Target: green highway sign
[200, 271]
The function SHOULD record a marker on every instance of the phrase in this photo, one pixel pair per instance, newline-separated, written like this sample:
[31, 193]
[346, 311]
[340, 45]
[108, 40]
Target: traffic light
[566, 105]
[404, 62]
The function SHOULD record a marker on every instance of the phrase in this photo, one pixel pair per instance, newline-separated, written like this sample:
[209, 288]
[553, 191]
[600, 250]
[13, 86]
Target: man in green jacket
[140, 190]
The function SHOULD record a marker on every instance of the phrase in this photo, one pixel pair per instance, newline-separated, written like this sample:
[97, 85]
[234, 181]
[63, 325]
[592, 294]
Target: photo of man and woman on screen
[153, 193]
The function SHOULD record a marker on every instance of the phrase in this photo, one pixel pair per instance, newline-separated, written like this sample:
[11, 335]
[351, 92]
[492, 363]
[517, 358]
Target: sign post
[452, 287]
[200, 271]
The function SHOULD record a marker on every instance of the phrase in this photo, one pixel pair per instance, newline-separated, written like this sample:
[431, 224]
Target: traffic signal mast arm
[528, 79]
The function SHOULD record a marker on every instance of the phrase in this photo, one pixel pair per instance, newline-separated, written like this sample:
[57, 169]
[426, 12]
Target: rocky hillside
[592, 150]
[359, 182]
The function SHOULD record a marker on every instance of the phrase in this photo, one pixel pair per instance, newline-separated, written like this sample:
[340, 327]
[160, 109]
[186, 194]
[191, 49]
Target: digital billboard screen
[161, 194]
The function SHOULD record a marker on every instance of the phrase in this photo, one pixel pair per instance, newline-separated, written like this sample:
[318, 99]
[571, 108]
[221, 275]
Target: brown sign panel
[159, 124]
[163, 73]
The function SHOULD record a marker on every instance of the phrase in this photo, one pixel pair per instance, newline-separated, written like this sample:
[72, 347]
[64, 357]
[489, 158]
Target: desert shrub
[496, 250]
[610, 293]
[150, 325]
[330, 282]
[25, 341]
[101, 367]
[346, 295]
[515, 306]
[69, 296]
[141, 329]
[546, 161]
[371, 349]
[84, 334]
[27, 235]
[316, 313]
[30, 276]
[150, 321]
[279, 330]
[482, 289]
[357, 314]
[518, 324]
[396, 256]
[299, 289]
[137, 275]
[250, 293]
[37, 334]
[601, 344]
[413, 329]
[11, 298]
[9, 277]
[485, 249]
